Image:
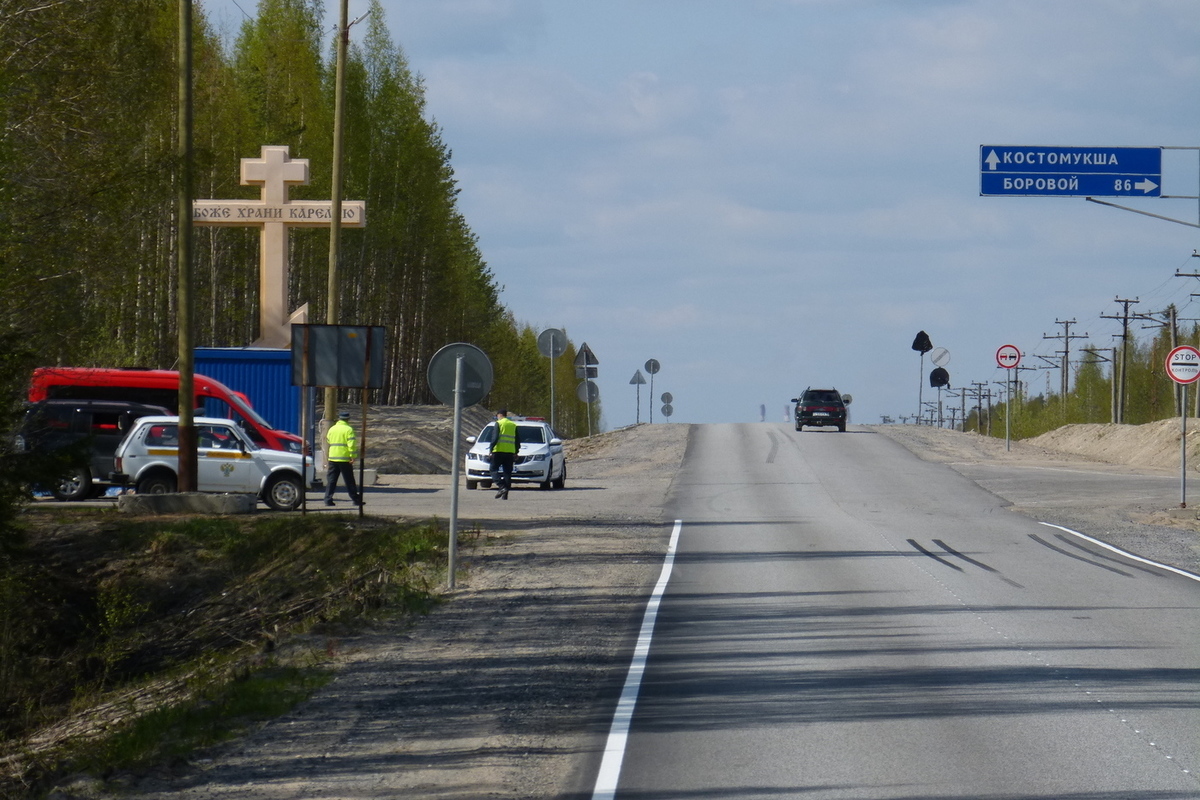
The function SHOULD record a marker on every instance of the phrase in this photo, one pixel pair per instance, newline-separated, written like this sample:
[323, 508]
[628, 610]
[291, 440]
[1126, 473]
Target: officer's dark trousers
[344, 469]
[502, 469]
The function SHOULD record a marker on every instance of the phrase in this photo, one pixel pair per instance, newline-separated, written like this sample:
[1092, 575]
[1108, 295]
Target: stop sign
[1183, 364]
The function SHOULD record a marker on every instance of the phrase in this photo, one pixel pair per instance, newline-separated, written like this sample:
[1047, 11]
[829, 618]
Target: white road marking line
[618, 734]
[1124, 553]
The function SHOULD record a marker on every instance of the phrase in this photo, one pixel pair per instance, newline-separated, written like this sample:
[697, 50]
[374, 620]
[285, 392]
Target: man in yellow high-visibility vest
[342, 450]
[504, 453]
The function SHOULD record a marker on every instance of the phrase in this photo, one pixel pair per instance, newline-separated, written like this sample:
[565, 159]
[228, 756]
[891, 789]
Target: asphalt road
[844, 620]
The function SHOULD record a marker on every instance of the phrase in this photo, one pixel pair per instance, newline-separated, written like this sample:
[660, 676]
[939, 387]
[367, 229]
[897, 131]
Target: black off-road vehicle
[91, 429]
[820, 407]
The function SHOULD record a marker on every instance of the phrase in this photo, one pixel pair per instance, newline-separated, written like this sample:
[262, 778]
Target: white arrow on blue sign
[1047, 171]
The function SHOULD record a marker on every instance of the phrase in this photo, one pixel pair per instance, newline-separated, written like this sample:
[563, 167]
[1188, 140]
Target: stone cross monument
[274, 213]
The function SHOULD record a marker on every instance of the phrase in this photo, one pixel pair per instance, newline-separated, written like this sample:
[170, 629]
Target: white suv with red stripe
[226, 461]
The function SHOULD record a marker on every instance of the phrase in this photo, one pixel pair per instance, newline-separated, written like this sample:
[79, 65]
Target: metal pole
[306, 443]
[1008, 412]
[1183, 450]
[552, 351]
[452, 549]
[651, 398]
[921, 389]
[362, 451]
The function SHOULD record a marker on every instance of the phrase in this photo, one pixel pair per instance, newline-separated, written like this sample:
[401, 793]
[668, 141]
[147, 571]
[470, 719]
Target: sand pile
[1155, 444]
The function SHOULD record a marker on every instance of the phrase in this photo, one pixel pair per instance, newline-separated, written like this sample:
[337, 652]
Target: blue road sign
[1038, 171]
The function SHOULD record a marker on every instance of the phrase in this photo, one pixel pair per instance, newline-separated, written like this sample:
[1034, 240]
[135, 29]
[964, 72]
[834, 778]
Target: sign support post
[452, 549]
[460, 375]
[1008, 357]
[1183, 365]
[652, 366]
[552, 343]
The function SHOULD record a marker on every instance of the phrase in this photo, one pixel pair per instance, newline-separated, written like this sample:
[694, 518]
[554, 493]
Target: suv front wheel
[284, 493]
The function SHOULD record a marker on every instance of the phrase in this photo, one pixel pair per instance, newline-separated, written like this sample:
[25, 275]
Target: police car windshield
[530, 434]
[526, 434]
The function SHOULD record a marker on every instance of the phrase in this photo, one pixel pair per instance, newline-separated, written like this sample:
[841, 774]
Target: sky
[766, 195]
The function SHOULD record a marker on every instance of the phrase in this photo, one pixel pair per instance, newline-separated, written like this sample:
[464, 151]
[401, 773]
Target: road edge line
[1124, 553]
[618, 734]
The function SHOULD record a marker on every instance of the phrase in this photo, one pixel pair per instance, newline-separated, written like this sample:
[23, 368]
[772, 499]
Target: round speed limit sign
[1183, 364]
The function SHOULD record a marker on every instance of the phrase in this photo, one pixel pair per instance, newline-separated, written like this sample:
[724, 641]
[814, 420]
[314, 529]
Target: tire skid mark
[1062, 537]
[774, 447]
[916, 545]
[950, 551]
[980, 564]
[1077, 557]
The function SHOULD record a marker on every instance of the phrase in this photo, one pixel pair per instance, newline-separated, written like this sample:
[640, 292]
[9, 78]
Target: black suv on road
[817, 407]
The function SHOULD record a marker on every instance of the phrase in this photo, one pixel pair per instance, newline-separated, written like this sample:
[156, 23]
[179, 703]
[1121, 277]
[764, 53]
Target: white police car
[540, 458]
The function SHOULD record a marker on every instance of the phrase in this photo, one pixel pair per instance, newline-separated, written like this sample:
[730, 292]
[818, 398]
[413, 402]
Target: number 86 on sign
[1183, 364]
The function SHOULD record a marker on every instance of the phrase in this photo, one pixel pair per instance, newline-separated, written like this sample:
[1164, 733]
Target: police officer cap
[343, 415]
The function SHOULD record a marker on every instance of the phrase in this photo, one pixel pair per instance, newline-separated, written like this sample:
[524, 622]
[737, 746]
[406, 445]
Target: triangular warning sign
[585, 357]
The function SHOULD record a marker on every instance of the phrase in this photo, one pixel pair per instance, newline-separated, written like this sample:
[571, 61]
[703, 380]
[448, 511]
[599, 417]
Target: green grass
[98, 606]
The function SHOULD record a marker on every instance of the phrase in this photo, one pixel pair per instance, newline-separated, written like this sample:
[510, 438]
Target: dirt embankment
[1153, 446]
[416, 440]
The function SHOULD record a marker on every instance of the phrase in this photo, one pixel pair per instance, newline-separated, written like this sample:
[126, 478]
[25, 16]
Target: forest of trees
[88, 171]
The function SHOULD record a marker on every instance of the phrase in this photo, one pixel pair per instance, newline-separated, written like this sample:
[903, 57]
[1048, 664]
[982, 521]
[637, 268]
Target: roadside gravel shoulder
[496, 692]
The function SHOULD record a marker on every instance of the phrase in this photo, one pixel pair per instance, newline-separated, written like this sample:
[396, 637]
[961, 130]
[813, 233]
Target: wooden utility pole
[1066, 336]
[333, 293]
[186, 302]
[1112, 402]
[1171, 323]
[1125, 317]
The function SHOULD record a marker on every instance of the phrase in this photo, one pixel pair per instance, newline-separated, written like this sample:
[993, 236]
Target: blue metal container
[263, 375]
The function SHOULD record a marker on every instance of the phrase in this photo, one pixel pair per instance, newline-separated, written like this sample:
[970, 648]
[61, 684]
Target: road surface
[844, 620]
